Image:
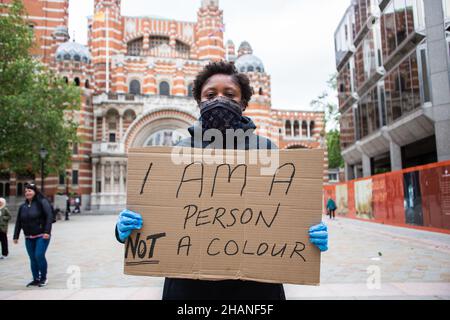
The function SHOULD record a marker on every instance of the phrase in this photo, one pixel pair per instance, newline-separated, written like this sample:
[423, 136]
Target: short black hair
[226, 68]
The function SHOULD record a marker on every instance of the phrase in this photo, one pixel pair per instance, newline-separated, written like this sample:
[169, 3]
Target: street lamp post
[43, 153]
[67, 194]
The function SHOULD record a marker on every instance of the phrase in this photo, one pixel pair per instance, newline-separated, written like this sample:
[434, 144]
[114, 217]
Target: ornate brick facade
[137, 75]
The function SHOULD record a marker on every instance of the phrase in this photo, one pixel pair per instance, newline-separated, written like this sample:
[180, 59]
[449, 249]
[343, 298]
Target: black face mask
[221, 114]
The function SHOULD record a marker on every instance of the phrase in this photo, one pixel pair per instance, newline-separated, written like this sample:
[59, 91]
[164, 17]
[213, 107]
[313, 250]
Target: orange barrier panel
[416, 197]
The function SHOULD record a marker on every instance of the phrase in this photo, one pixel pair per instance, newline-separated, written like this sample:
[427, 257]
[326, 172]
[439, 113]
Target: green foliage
[332, 116]
[335, 159]
[36, 107]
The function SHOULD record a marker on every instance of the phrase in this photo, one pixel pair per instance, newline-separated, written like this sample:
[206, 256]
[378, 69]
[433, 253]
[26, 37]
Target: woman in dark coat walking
[223, 95]
[35, 218]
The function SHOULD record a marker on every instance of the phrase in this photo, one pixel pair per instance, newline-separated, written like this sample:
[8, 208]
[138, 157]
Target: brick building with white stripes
[137, 74]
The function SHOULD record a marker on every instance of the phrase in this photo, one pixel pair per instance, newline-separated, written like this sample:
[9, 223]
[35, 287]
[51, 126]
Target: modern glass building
[393, 62]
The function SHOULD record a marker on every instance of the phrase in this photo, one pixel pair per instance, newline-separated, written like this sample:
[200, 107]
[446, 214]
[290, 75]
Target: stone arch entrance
[162, 128]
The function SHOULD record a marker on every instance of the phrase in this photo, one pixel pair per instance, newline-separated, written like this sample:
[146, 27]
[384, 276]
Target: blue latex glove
[318, 235]
[127, 222]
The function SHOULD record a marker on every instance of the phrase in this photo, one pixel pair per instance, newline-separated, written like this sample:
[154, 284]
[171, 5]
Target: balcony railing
[108, 148]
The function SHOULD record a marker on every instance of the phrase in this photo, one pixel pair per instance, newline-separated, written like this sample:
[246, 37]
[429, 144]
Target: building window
[296, 128]
[112, 137]
[260, 91]
[77, 81]
[182, 47]
[62, 178]
[19, 190]
[424, 79]
[166, 138]
[74, 177]
[134, 48]
[190, 92]
[402, 89]
[86, 84]
[288, 128]
[164, 89]
[156, 41]
[4, 189]
[135, 87]
[75, 148]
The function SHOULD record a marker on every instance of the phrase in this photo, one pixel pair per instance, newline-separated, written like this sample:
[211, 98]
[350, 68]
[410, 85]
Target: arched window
[66, 80]
[164, 89]
[135, 87]
[166, 138]
[77, 81]
[7, 189]
[311, 128]
[288, 128]
[250, 69]
[86, 84]
[67, 56]
[304, 129]
[19, 190]
[77, 57]
[112, 118]
[156, 41]
[190, 92]
[260, 91]
[296, 128]
[242, 69]
[182, 47]
[258, 69]
[134, 47]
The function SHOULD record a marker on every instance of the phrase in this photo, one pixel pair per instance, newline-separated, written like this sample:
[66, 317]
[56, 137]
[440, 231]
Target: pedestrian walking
[35, 218]
[5, 216]
[331, 208]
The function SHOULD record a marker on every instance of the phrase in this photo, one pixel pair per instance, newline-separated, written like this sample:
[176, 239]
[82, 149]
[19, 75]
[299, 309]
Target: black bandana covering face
[221, 114]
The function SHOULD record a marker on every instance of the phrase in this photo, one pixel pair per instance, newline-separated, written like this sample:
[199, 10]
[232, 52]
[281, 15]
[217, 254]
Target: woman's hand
[318, 235]
[46, 236]
[127, 222]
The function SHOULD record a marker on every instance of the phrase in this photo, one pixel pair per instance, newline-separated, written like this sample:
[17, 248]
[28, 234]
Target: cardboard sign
[246, 218]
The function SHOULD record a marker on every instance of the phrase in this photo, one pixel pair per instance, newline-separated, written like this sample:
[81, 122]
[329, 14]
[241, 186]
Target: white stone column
[120, 127]
[308, 131]
[94, 135]
[104, 128]
[94, 177]
[112, 177]
[292, 128]
[301, 129]
[103, 177]
[121, 190]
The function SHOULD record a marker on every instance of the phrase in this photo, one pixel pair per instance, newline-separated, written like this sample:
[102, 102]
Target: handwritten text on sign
[225, 221]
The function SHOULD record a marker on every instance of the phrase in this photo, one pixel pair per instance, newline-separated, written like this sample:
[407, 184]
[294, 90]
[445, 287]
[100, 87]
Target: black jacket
[34, 219]
[187, 289]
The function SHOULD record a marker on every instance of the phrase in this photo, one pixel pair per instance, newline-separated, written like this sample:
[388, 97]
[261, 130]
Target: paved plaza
[411, 264]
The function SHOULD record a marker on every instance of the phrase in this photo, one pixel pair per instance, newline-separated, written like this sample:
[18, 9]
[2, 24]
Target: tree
[335, 159]
[37, 107]
[331, 131]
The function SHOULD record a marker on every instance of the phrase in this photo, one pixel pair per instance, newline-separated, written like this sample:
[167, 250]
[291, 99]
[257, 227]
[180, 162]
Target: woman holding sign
[223, 95]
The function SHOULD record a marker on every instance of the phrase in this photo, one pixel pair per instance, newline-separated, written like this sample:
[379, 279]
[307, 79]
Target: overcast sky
[294, 38]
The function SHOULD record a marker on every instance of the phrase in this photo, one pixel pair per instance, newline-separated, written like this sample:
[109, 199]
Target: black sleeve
[18, 226]
[117, 236]
[48, 216]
